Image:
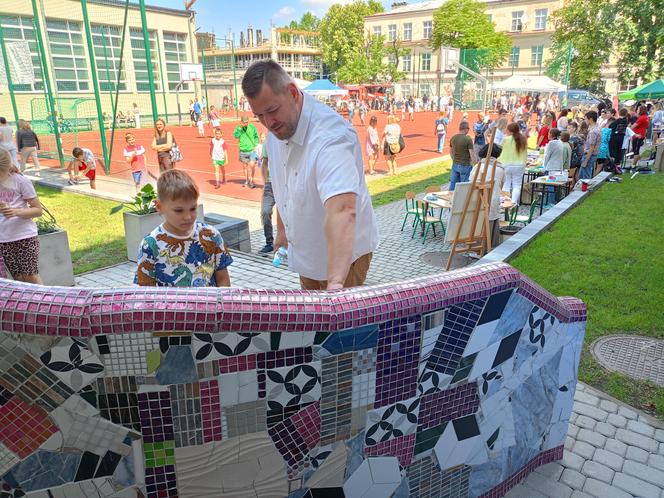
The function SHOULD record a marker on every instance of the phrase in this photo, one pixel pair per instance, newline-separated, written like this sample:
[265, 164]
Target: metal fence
[91, 74]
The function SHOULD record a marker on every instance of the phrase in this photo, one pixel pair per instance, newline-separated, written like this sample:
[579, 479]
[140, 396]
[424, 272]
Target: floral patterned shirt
[168, 260]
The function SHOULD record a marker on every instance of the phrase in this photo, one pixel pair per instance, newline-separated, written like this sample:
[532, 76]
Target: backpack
[577, 152]
[441, 127]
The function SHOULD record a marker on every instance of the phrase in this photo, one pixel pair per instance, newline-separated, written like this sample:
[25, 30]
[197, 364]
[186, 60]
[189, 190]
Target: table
[539, 186]
[445, 201]
[529, 175]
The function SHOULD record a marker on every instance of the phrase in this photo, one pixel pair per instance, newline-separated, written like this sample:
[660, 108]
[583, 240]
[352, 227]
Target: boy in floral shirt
[182, 252]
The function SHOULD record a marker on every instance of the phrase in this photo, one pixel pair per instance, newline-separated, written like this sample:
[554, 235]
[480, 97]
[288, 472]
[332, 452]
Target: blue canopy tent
[324, 88]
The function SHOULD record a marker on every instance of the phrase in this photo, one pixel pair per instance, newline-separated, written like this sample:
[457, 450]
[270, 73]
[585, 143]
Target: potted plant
[55, 266]
[141, 217]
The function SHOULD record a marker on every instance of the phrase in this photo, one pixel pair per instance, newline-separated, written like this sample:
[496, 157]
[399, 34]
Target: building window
[408, 31]
[406, 91]
[628, 86]
[377, 30]
[392, 60]
[537, 54]
[425, 89]
[68, 55]
[517, 23]
[425, 60]
[391, 32]
[140, 60]
[175, 53]
[514, 57]
[406, 62]
[106, 42]
[427, 29]
[21, 29]
[541, 16]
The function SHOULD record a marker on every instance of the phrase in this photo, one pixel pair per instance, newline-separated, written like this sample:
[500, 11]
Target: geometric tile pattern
[397, 360]
[239, 392]
[443, 406]
[336, 396]
[23, 428]
[459, 323]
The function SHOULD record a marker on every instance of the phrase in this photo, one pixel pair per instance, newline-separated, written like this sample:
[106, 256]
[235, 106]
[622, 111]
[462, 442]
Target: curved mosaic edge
[63, 311]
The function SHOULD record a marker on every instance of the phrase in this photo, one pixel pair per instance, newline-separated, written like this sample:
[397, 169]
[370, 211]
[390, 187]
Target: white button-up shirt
[322, 159]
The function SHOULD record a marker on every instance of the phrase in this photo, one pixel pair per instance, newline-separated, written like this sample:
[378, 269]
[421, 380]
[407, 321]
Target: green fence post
[10, 86]
[95, 84]
[48, 89]
[163, 81]
[207, 100]
[237, 99]
[148, 60]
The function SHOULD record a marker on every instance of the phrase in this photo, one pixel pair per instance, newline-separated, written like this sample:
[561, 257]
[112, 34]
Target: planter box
[234, 231]
[55, 267]
[138, 226]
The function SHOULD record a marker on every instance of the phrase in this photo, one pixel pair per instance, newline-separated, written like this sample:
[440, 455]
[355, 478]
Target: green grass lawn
[96, 238]
[609, 252]
[393, 188]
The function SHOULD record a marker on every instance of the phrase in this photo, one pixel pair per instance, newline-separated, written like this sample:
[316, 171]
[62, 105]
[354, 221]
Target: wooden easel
[469, 242]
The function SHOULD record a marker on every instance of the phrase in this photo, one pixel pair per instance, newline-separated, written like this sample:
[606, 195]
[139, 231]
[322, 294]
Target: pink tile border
[61, 311]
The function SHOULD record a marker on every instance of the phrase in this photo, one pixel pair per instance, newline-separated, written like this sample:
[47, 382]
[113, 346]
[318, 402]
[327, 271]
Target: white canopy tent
[529, 84]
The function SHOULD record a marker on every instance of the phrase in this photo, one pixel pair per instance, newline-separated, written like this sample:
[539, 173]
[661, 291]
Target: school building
[430, 72]
[55, 32]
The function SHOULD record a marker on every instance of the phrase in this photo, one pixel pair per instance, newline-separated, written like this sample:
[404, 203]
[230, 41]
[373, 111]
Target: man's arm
[280, 240]
[264, 167]
[473, 157]
[237, 132]
[339, 227]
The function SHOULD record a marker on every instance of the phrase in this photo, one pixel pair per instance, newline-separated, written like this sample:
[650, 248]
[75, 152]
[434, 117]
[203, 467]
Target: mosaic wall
[450, 386]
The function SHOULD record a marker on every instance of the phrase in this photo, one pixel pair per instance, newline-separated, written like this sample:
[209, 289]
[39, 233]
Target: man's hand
[280, 240]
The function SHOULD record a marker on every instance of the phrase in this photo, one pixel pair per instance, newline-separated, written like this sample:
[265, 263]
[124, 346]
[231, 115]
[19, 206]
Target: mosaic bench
[448, 386]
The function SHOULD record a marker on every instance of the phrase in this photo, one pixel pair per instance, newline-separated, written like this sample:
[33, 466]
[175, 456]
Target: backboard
[191, 72]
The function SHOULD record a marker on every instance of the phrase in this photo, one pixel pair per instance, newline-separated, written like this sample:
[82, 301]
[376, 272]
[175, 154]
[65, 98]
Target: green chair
[427, 221]
[411, 208]
[522, 218]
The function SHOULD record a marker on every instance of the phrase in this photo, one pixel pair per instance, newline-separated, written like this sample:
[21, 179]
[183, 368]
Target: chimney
[241, 38]
[259, 37]
[396, 5]
[250, 36]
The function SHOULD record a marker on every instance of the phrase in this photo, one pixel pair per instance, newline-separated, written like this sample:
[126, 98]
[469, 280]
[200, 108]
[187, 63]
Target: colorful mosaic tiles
[416, 389]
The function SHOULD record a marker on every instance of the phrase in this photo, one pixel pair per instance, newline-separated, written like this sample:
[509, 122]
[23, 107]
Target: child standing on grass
[19, 204]
[83, 163]
[134, 154]
[182, 252]
[219, 153]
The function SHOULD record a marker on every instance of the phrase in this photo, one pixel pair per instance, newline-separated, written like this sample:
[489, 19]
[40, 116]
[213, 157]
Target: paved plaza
[612, 450]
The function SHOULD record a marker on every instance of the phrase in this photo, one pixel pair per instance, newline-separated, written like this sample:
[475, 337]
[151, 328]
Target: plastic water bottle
[279, 256]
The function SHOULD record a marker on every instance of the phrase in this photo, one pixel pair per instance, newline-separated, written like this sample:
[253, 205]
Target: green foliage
[308, 22]
[464, 24]
[142, 203]
[46, 223]
[342, 34]
[631, 34]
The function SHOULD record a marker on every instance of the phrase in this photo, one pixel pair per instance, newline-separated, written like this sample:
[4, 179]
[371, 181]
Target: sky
[220, 16]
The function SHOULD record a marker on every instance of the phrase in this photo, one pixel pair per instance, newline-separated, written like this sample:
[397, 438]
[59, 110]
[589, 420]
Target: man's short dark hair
[77, 151]
[592, 115]
[623, 112]
[464, 125]
[265, 71]
[502, 111]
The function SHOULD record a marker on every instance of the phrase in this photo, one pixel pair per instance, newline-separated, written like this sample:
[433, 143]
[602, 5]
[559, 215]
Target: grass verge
[96, 238]
[608, 253]
[393, 188]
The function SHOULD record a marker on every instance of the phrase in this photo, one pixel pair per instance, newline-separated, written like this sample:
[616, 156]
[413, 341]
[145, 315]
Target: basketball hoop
[191, 72]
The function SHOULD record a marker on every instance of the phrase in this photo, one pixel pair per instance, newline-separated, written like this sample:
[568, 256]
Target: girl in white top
[372, 143]
[391, 136]
[501, 127]
[219, 152]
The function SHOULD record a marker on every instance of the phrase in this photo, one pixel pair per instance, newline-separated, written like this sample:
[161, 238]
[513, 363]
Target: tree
[342, 32]
[308, 22]
[464, 24]
[631, 35]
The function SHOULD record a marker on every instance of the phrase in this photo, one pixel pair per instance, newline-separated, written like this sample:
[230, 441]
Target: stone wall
[454, 385]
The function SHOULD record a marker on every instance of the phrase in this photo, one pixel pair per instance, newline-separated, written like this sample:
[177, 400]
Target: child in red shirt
[134, 154]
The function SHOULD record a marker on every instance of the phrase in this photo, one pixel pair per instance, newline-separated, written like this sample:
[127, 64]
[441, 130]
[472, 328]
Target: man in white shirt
[324, 212]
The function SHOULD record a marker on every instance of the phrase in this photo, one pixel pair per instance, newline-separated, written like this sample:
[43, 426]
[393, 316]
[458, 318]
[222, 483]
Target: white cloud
[285, 11]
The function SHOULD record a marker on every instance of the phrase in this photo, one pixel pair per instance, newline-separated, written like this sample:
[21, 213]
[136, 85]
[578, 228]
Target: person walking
[441, 130]
[513, 157]
[590, 146]
[27, 143]
[391, 147]
[463, 155]
[324, 212]
[372, 143]
[267, 203]
[479, 128]
[7, 140]
[247, 136]
[162, 143]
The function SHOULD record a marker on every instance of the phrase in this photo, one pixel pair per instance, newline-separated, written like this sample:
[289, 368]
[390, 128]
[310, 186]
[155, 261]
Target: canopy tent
[652, 90]
[529, 84]
[301, 84]
[324, 88]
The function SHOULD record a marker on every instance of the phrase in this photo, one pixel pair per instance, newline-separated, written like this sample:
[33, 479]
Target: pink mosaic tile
[23, 428]
[401, 447]
[210, 410]
[444, 406]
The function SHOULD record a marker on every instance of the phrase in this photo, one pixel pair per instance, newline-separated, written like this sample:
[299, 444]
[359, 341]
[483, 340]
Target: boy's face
[131, 140]
[179, 215]
[79, 158]
[263, 137]
[217, 134]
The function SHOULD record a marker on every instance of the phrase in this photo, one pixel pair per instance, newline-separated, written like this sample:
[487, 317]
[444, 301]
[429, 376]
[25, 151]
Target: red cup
[584, 187]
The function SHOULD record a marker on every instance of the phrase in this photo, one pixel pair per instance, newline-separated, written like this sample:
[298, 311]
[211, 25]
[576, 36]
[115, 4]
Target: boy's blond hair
[129, 134]
[175, 184]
